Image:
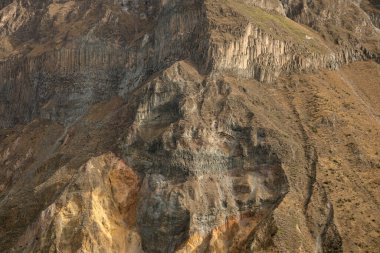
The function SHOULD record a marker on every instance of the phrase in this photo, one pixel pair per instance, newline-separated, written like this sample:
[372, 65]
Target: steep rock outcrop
[212, 157]
[139, 127]
[99, 201]
[267, 45]
[93, 65]
[214, 164]
[253, 44]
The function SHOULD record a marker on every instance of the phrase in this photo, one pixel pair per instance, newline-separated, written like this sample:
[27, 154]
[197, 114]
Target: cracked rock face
[221, 171]
[189, 126]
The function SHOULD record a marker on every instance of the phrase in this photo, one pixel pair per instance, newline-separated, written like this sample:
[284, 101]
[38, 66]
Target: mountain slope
[189, 126]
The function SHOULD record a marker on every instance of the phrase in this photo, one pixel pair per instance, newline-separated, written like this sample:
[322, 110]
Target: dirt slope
[189, 126]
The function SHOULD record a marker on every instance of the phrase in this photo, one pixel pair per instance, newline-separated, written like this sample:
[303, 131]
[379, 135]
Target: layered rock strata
[251, 49]
[189, 126]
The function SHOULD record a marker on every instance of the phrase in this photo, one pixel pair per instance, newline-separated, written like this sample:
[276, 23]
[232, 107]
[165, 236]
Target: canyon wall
[92, 65]
[60, 84]
[189, 126]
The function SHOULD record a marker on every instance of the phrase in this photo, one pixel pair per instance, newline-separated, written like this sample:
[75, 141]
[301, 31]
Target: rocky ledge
[189, 126]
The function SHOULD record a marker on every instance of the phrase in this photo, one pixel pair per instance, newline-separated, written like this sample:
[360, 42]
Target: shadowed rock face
[189, 126]
[202, 172]
[60, 62]
[60, 78]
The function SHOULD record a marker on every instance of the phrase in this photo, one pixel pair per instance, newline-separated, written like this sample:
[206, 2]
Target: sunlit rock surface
[189, 126]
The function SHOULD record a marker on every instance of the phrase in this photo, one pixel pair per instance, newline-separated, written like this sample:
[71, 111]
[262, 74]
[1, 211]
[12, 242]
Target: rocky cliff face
[189, 126]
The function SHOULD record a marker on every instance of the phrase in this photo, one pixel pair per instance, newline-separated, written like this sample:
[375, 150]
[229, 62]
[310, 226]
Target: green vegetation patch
[278, 26]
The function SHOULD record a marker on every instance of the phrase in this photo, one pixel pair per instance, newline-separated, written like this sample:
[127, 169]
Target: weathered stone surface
[189, 126]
